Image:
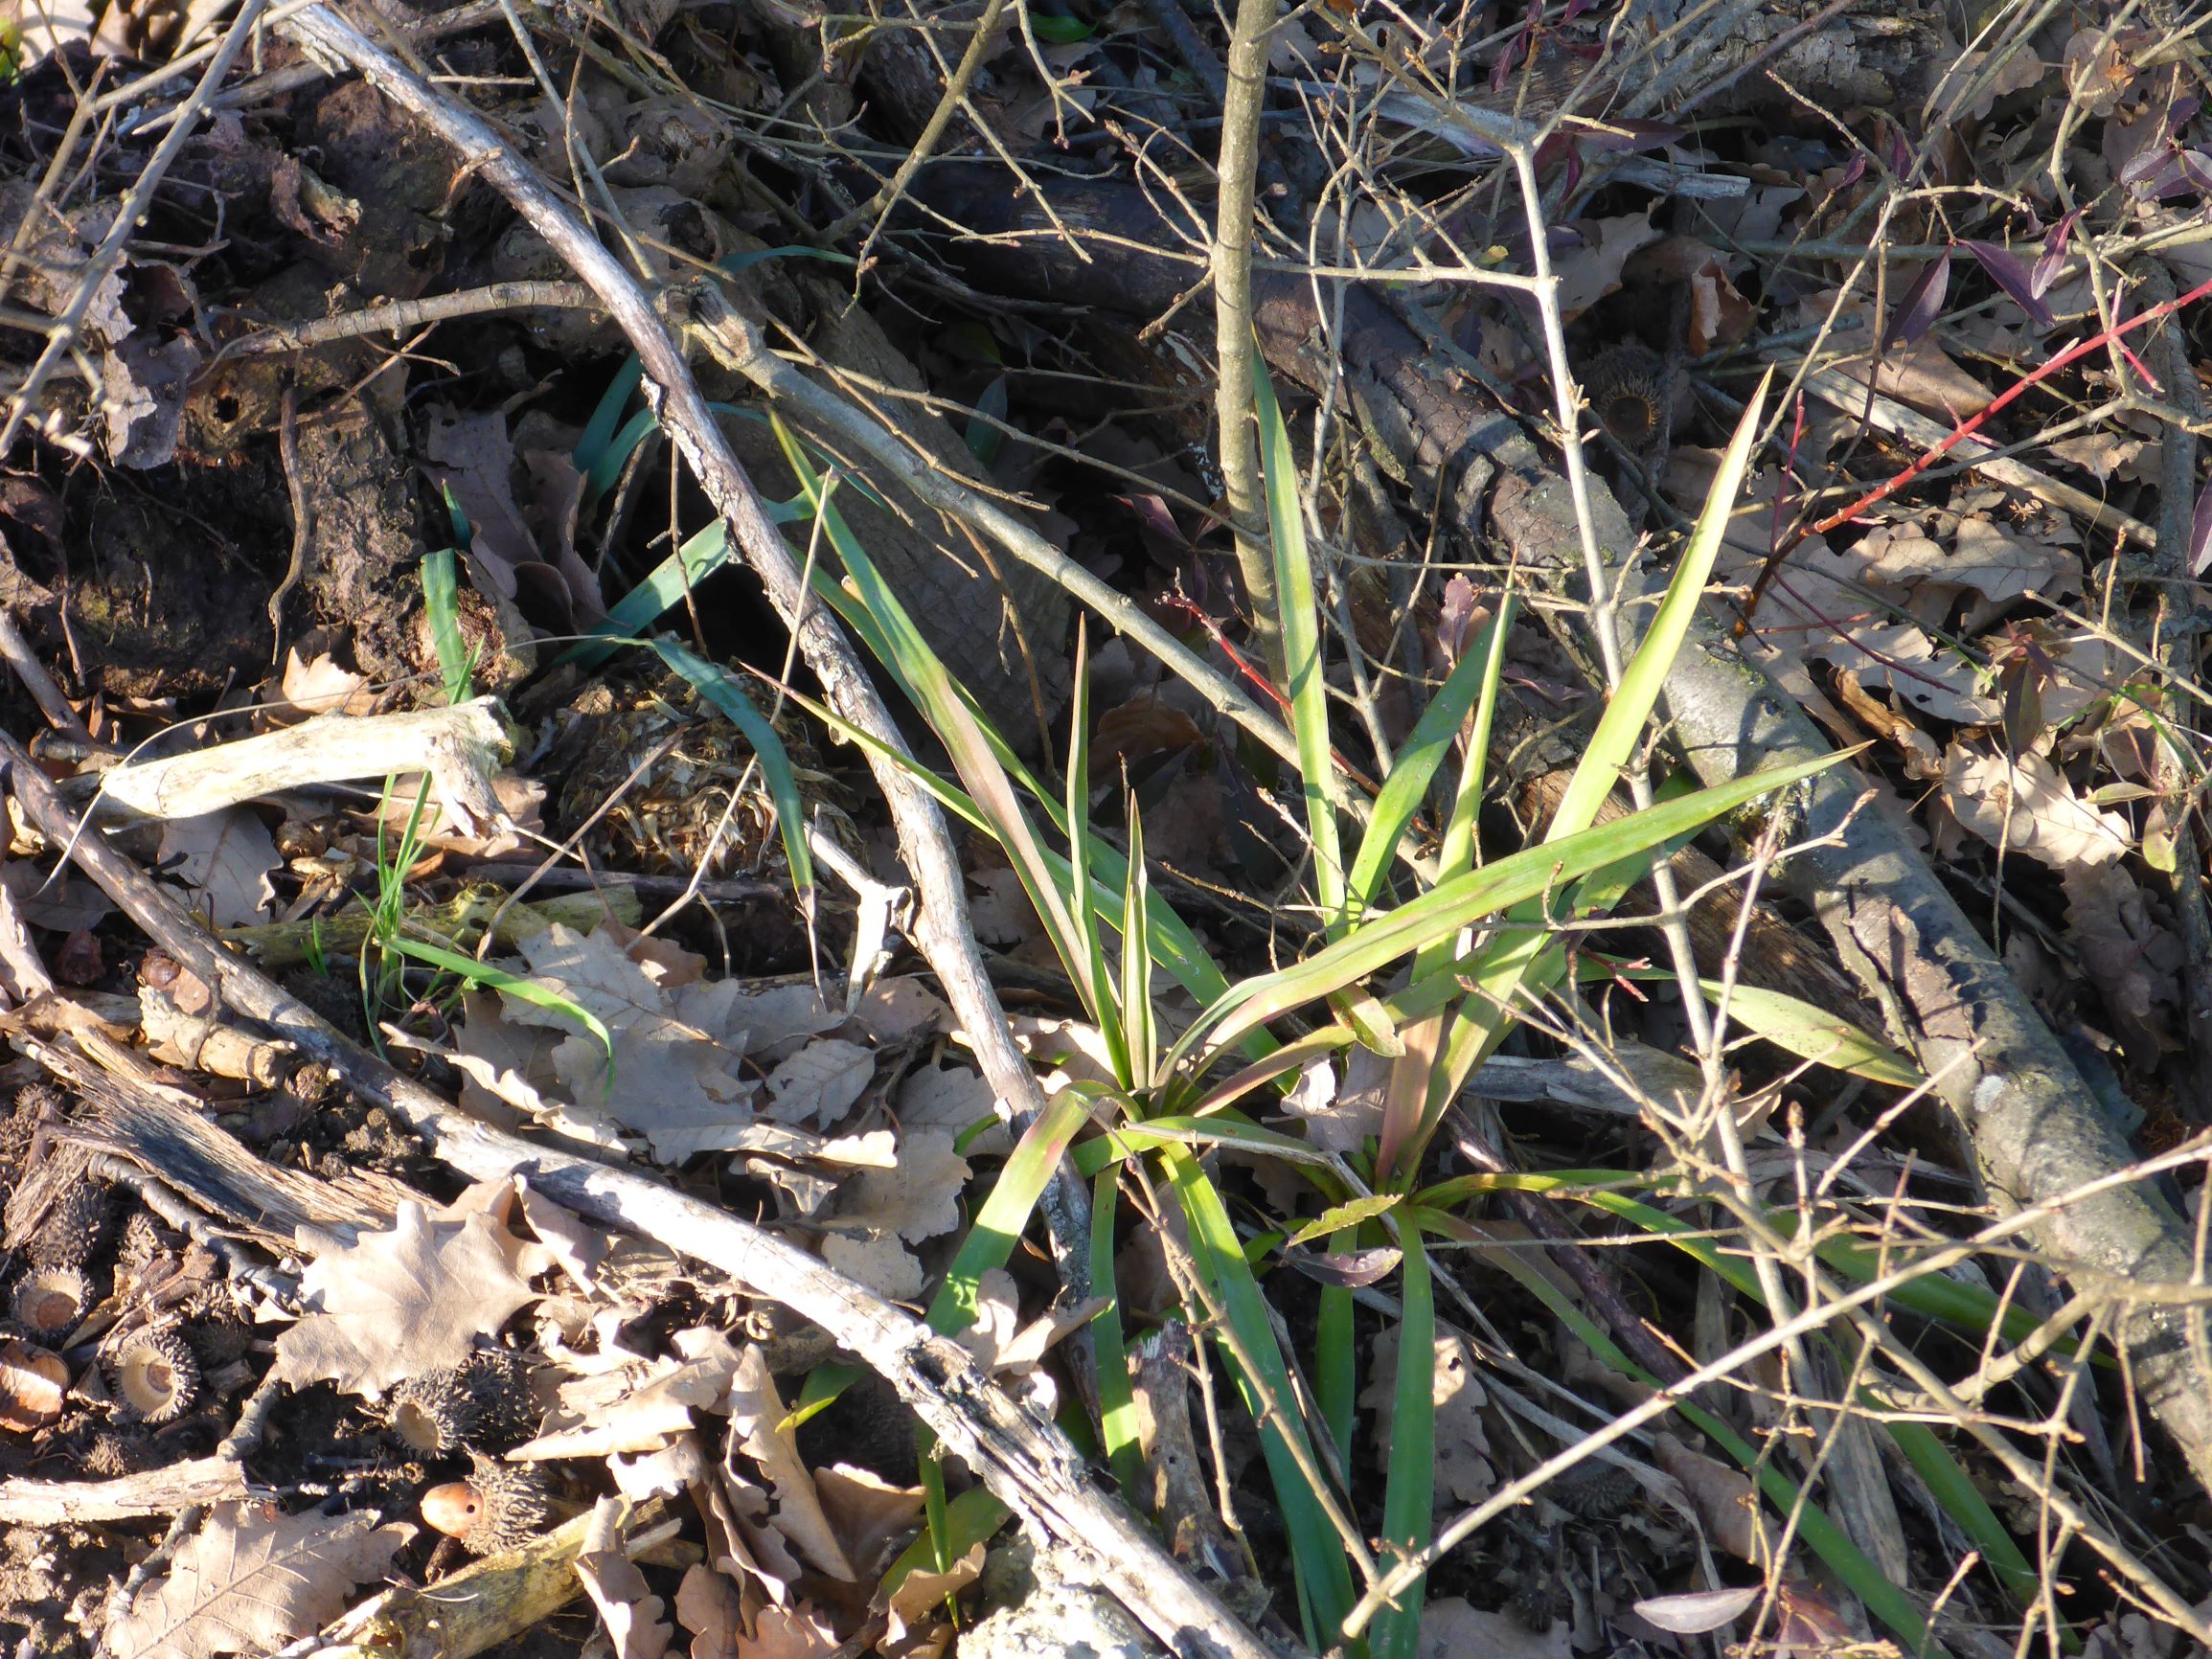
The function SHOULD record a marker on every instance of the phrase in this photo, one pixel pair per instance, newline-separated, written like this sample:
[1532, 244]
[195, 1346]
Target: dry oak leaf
[226, 859]
[2026, 803]
[403, 1303]
[711, 1609]
[1450, 1628]
[674, 1076]
[791, 1633]
[758, 1427]
[1464, 1474]
[253, 1580]
[1724, 1498]
[627, 1608]
[820, 1082]
[878, 1261]
[2133, 962]
[920, 1196]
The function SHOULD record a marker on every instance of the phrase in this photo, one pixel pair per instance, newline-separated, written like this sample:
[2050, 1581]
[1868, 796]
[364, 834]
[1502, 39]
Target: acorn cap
[154, 1376]
[74, 1224]
[434, 1414]
[498, 1385]
[496, 1508]
[51, 1301]
[219, 1333]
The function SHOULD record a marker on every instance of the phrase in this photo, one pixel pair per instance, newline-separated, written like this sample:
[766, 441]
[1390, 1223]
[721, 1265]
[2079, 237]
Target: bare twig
[399, 316]
[1241, 102]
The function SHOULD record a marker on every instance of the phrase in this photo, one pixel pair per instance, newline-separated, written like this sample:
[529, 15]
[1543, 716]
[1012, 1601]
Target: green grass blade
[949, 715]
[1089, 969]
[1410, 1493]
[720, 688]
[972, 1518]
[469, 971]
[606, 414]
[1117, 1406]
[1423, 752]
[1316, 1551]
[1137, 1030]
[1465, 898]
[1299, 617]
[1335, 1357]
[600, 477]
[1005, 1214]
[442, 605]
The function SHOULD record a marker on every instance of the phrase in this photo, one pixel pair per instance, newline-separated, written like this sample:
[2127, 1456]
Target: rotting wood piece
[2036, 1129]
[162, 1491]
[1024, 1459]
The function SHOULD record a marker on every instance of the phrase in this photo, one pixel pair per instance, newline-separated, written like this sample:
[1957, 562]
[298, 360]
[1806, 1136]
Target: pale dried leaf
[917, 1199]
[757, 1427]
[401, 1302]
[901, 1007]
[873, 1519]
[820, 1082]
[1724, 1498]
[1588, 273]
[23, 972]
[953, 1098]
[799, 1632]
[252, 1580]
[627, 1608]
[2026, 803]
[2133, 962]
[1694, 1612]
[921, 1593]
[773, 1019]
[1451, 1629]
[225, 858]
[1464, 1473]
[711, 1609]
[878, 1261]
[320, 687]
[1001, 914]
[675, 1072]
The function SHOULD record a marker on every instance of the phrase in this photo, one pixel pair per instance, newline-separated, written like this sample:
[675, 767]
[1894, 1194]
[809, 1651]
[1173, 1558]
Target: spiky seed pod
[1627, 394]
[434, 1414]
[51, 1301]
[74, 1227]
[219, 1331]
[154, 1376]
[496, 1508]
[110, 1455]
[145, 1240]
[498, 1385]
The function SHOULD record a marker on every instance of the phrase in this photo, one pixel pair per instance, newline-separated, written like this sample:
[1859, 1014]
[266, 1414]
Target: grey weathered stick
[1023, 1459]
[162, 1491]
[941, 929]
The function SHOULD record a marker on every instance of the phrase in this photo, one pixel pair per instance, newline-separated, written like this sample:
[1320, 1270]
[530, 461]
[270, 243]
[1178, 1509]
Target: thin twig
[1237, 434]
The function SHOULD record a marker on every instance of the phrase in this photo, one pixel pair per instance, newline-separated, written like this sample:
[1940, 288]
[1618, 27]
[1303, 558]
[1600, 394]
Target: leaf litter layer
[1482, 1211]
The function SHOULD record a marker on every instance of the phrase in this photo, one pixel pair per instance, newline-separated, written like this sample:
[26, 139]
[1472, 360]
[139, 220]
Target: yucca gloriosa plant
[1484, 948]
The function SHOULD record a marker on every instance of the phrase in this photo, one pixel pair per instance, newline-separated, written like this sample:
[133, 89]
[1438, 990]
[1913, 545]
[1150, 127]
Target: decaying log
[2036, 1129]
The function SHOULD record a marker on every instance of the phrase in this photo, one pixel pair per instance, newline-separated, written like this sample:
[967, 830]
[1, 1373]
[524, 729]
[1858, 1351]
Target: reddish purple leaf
[2009, 272]
[1923, 303]
[1855, 171]
[1900, 153]
[2201, 534]
[2046, 270]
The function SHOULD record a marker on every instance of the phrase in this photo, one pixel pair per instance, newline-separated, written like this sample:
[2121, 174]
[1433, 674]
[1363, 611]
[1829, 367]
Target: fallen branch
[162, 1491]
[1023, 1459]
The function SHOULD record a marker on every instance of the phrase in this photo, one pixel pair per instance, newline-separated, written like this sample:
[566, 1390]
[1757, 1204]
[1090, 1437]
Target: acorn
[496, 1508]
[74, 1224]
[154, 1376]
[51, 1301]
